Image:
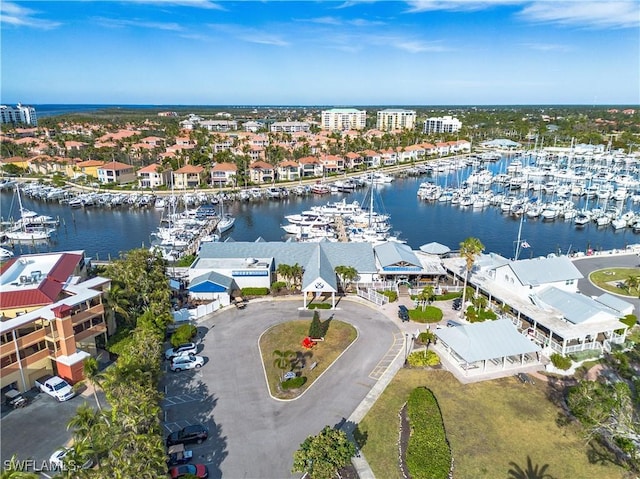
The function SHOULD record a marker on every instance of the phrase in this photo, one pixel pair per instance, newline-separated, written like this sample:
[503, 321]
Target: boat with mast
[30, 227]
[226, 221]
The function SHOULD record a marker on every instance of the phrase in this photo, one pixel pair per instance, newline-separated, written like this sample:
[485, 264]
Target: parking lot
[252, 434]
[38, 429]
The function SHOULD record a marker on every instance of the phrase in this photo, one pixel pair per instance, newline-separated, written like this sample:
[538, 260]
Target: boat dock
[341, 230]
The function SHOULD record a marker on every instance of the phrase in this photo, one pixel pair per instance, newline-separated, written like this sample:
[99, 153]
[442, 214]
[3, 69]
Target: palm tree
[347, 274]
[297, 272]
[283, 359]
[92, 374]
[632, 282]
[531, 472]
[284, 271]
[469, 249]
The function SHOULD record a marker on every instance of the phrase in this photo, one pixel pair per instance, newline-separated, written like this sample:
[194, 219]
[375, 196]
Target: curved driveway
[586, 265]
[253, 435]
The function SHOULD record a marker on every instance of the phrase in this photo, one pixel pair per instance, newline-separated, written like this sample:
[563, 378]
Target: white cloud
[547, 47]
[415, 46]
[206, 4]
[250, 35]
[17, 15]
[417, 6]
[119, 23]
[593, 14]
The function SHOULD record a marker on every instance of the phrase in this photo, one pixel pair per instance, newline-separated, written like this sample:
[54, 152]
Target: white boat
[582, 219]
[226, 220]
[24, 232]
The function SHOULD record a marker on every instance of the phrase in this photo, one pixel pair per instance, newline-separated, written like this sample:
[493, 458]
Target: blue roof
[211, 283]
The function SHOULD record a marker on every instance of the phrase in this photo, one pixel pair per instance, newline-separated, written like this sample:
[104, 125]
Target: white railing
[583, 347]
[379, 285]
[373, 296]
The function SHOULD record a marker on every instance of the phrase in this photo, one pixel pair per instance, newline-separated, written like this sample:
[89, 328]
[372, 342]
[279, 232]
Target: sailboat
[23, 230]
[226, 220]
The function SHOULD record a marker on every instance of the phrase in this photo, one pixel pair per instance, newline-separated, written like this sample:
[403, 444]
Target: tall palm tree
[283, 359]
[469, 250]
[92, 374]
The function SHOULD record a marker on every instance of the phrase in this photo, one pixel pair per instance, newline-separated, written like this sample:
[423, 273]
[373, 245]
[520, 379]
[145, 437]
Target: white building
[396, 119]
[445, 124]
[19, 114]
[290, 127]
[343, 119]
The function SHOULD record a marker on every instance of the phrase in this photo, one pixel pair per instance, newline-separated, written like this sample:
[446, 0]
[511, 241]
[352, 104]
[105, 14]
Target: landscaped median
[285, 358]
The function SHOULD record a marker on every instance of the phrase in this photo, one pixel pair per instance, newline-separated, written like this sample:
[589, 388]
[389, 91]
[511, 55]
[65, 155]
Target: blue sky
[430, 52]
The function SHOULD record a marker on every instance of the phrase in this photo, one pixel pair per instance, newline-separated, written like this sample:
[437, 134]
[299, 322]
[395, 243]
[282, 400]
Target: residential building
[153, 176]
[288, 171]
[189, 176]
[224, 174]
[19, 114]
[52, 316]
[289, 127]
[84, 168]
[343, 119]
[116, 172]
[396, 119]
[261, 172]
[219, 125]
[445, 124]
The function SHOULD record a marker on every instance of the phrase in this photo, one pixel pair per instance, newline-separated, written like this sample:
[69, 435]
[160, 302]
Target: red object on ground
[308, 343]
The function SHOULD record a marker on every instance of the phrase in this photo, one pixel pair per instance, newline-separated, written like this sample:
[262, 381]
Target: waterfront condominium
[18, 114]
[445, 124]
[396, 119]
[344, 119]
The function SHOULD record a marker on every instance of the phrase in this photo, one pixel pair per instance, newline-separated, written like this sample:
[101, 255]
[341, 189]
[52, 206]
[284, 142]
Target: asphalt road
[252, 435]
[589, 264]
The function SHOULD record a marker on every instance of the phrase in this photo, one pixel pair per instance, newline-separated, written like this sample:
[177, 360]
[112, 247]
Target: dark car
[197, 470]
[457, 304]
[187, 435]
[403, 313]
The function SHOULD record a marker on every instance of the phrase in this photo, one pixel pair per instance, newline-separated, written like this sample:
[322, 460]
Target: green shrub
[428, 453]
[560, 362]
[475, 315]
[184, 334]
[319, 306]
[431, 314]
[392, 295]
[424, 358]
[586, 354]
[426, 336]
[294, 383]
[186, 261]
[630, 320]
[255, 291]
[278, 285]
[447, 296]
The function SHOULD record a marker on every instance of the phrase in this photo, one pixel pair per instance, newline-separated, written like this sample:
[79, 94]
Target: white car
[57, 461]
[187, 361]
[183, 349]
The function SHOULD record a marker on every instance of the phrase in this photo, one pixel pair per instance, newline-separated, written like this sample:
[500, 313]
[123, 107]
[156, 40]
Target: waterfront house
[353, 160]
[288, 170]
[540, 297]
[116, 172]
[52, 315]
[372, 159]
[153, 176]
[332, 164]
[84, 168]
[261, 172]
[310, 166]
[189, 176]
[224, 174]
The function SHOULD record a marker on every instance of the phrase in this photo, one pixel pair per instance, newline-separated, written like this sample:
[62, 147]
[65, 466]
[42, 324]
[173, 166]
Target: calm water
[104, 233]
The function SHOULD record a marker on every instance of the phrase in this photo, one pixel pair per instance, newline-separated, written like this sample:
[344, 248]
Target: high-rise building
[19, 114]
[445, 124]
[396, 119]
[344, 119]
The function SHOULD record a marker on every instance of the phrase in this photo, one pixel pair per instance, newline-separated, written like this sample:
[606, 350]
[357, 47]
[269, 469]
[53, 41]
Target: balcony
[24, 341]
[82, 316]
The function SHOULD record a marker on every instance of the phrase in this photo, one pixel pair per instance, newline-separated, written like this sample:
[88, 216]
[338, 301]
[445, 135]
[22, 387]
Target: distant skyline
[341, 53]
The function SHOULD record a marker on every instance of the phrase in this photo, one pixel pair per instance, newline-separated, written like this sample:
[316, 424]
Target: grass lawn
[288, 336]
[431, 314]
[488, 424]
[608, 279]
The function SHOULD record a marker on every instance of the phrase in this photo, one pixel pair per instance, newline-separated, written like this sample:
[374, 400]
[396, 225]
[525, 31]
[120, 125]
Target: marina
[494, 215]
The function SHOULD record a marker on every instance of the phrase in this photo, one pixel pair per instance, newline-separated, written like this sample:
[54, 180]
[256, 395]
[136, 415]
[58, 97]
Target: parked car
[197, 470]
[177, 455]
[457, 304]
[187, 348]
[55, 387]
[187, 435]
[452, 324]
[403, 313]
[187, 361]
